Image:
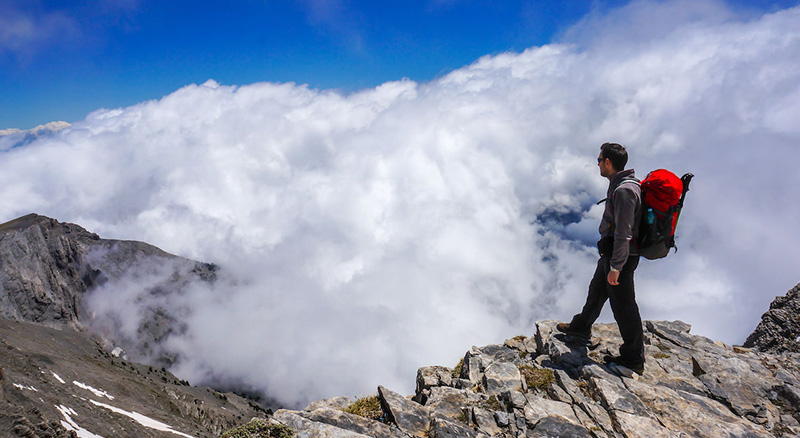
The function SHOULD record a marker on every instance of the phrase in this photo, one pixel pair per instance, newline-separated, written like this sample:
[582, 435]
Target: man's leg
[598, 294]
[626, 313]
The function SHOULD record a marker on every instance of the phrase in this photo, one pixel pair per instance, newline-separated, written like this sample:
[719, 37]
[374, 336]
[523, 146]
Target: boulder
[411, 417]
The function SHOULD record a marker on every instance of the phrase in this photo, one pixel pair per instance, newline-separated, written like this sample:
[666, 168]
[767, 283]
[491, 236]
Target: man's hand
[613, 278]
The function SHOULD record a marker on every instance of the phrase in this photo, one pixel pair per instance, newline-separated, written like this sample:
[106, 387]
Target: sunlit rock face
[552, 384]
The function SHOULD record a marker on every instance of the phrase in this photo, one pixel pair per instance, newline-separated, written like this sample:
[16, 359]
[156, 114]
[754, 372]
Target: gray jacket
[621, 216]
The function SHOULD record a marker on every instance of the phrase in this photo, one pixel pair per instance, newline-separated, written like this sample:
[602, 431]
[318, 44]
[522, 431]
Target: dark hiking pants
[623, 303]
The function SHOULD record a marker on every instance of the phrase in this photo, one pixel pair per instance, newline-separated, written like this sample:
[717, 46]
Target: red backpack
[662, 199]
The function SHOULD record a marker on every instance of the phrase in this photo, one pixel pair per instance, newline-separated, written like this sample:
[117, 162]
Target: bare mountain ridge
[47, 268]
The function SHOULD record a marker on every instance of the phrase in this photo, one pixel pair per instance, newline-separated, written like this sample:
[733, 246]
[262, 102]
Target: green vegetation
[368, 407]
[457, 369]
[492, 404]
[661, 355]
[538, 378]
[259, 429]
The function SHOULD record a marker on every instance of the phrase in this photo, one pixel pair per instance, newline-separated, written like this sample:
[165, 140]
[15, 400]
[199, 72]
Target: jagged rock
[340, 403]
[502, 376]
[353, 423]
[451, 402]
[444, 428]
[428, 377]
[699, 416]
[779, 329]
[549, 427]
[538, 408]
[411, 417]
[305, 428]
[484, 420]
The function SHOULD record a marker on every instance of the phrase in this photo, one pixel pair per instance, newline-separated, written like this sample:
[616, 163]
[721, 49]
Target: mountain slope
[54, 381]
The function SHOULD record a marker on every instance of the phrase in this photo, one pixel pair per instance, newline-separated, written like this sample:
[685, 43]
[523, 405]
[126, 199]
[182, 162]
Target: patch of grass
[462, 417]
[457, 370]
[538, 378]
[492, 404]
[661, 355]
[259, 429]
[368, 407]
[662, 347]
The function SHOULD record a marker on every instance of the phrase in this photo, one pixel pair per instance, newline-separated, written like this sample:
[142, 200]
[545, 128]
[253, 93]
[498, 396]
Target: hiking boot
[564, 327]
[637, 366]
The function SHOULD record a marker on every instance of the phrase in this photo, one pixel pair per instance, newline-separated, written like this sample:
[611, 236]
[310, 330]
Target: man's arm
[625, 199]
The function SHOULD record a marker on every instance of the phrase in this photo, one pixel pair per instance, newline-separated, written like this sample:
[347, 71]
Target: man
[613, 278]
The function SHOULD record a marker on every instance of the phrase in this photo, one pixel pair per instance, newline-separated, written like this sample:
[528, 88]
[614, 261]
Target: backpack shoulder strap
[626, 180]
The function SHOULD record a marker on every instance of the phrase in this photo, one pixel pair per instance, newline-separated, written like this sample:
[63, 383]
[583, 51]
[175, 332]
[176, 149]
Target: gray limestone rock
[340, 402]
[450, 402]
[429, 377]
[443, 428]
[485, 421]
[557, 427]
[306, 428]
[502, 376]
[353, 423]
[411, 417]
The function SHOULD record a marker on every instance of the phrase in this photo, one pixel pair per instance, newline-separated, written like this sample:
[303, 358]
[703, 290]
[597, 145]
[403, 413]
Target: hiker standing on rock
[613, 278]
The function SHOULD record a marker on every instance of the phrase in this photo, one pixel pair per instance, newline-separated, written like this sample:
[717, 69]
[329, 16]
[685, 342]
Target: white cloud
[23, 31]
[392, 228]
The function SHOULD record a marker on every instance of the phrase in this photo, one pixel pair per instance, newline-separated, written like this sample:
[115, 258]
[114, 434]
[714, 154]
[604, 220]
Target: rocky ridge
[779, 329]
[48, 267]
[554, 385]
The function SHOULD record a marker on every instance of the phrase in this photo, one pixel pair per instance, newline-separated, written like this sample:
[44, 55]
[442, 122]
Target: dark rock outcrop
[48, 267]
[779, 329]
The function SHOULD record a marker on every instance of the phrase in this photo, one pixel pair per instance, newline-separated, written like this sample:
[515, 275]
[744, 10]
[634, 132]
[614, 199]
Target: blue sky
[60, 60]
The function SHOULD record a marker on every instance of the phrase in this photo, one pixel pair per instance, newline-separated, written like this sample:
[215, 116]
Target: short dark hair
[616, 153]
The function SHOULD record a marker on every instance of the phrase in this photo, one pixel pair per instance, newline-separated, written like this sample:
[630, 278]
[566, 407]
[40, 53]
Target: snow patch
[70, 424]
[58, 377]
[29, 388]
[142, 419]
[97, 392]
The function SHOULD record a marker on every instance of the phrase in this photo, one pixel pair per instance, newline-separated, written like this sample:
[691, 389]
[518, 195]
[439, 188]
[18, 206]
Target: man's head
[612, 159]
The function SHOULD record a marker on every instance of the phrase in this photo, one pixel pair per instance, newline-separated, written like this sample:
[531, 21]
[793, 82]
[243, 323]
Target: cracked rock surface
[554, 385]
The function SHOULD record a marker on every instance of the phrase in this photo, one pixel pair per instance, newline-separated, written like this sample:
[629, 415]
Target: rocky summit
[555, 385]
[59, 379]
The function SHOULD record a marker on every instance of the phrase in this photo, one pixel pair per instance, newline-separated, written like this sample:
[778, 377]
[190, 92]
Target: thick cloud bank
[376, 232]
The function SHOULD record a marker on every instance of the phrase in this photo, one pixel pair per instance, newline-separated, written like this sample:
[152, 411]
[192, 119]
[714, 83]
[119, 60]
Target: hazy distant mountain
[11, 138]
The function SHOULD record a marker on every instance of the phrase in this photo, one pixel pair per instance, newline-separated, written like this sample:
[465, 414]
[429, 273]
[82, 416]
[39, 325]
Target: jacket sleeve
[625, 200]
